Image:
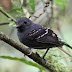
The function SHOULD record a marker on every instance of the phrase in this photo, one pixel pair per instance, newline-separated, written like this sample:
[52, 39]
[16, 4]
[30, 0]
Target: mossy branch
[26, 51]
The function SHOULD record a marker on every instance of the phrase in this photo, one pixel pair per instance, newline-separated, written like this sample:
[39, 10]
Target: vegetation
[58, 21]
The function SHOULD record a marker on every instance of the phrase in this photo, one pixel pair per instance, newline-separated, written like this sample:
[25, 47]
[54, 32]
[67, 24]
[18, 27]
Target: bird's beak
[18, 26]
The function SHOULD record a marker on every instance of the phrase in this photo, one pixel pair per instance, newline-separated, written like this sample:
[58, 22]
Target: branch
[7, 15]
[51, 17]
[26, 51]
[4, 23]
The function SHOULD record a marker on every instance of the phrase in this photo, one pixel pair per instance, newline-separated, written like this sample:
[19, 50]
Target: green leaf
[24, 61]
[12, 24]
[32, 5]
[61, 3]
[0, 7]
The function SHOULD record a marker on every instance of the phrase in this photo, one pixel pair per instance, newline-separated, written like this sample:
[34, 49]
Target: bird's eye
[25, 22]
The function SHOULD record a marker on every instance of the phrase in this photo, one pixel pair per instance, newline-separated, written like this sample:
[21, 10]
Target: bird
[36, 36]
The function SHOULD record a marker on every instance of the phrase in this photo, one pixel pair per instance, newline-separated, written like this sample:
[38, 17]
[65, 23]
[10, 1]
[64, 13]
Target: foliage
[12, 24]
[17, 10]
[61, 3]
[52, 56]
[32, 5]
[56, 60]
[24, 61]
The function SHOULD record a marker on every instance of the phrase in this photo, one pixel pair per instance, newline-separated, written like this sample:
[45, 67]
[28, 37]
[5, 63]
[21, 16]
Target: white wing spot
[34, 32]
[53, 34]
[59, 39]
[62, 40]
[43, 34]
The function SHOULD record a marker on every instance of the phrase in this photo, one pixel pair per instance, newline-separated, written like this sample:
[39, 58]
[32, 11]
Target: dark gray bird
[36, 36]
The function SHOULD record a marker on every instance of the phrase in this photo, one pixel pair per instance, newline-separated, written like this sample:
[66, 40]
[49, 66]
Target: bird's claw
[45, 61]
[30, 52]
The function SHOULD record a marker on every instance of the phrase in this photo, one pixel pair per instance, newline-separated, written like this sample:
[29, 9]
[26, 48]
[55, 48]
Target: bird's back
[38, 36]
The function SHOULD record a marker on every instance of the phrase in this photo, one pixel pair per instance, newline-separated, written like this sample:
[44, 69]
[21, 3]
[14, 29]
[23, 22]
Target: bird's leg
[45, 53]
[37, 54]
[30, 51]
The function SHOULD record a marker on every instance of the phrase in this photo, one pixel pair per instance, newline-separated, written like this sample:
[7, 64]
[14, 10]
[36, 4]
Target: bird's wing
[48, 37]
[44, 35]
[35, 33]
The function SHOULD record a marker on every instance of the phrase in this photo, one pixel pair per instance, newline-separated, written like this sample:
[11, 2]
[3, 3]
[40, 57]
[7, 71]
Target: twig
[52, 8]
[65, 52]
[51, 17]
[4, 23]
[26, 51]
[7, 15]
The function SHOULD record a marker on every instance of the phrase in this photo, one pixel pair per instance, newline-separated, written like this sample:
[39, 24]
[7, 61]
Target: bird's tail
[67, 45]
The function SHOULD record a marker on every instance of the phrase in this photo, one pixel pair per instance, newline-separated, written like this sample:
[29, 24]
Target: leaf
[32, 4]
[12, 24]
[24, 61]
[61, 3]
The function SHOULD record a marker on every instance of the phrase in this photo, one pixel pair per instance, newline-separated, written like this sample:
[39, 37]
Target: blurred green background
[57, 16]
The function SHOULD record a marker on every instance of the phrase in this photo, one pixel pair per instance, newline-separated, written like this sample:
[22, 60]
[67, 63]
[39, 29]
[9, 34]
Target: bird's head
[23, 23]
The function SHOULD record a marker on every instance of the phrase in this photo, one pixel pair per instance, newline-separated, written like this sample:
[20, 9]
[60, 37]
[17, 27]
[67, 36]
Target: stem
[4, 23]
[7, 15]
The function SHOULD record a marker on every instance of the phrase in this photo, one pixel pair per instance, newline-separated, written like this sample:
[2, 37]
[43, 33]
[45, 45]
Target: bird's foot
[45, 61]
[30, 51]
[42, 58]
